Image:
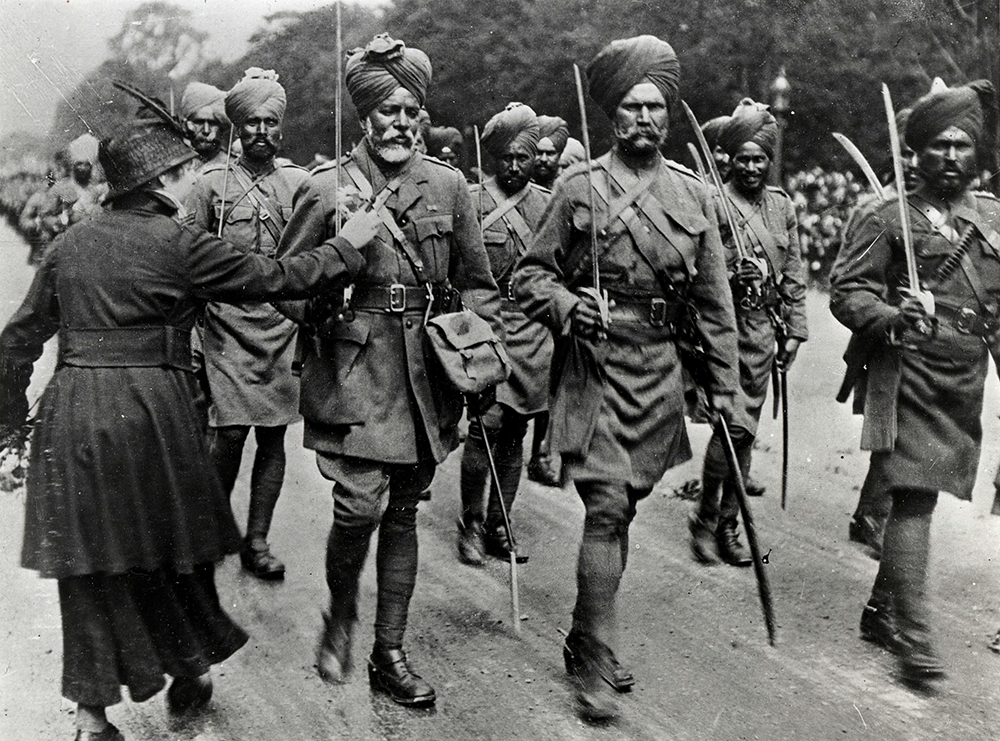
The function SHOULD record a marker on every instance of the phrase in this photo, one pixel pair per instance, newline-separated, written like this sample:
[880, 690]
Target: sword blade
[860, 161]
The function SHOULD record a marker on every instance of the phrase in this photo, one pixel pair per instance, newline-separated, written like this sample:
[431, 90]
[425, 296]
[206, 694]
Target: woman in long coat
[123, 506]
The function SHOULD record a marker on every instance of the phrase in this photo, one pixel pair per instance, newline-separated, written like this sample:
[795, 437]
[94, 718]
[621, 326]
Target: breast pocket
[499, 250]
[433, 235]
[687, 236]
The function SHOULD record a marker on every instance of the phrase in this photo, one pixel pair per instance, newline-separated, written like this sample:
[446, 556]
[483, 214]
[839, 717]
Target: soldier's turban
[750, 122]
[374, 73]
[623, 64]
[258, 89]
[515, 124]
[198, 95]
[443, 137]
[961, 107]
[572, 153]
[555, 129]
[83, 149]
[712, 129]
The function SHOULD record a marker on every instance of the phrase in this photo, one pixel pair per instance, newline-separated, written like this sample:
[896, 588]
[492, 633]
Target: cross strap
[385, 215]
[754, 221]
[270, 216]
[506, 209]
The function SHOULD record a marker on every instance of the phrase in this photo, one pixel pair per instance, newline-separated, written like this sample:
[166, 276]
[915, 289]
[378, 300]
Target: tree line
[836, 54]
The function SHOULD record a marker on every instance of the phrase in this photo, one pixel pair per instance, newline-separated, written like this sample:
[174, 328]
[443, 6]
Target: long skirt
[130, 629]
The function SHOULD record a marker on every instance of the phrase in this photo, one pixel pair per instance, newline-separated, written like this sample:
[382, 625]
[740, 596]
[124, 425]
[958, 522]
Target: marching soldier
[926, 369]
[378, 413]
[510, 209]
[249, 347]
[617, 413]
[769, 294]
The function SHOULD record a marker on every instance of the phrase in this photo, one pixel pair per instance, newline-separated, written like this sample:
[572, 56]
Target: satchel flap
[429, 226]
[463, 329]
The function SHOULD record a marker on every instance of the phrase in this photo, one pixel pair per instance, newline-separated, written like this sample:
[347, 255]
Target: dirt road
[693, 635]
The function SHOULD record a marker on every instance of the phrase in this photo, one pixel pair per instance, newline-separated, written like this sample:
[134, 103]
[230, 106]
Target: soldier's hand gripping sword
[595, 292]
[713, 170]
[515, 604]
[925, 297]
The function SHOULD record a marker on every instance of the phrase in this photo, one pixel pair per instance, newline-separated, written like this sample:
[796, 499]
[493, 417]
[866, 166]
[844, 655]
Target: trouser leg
[902, 574]
[718, 503]
[225, 445]
[509, 458]
[346, 552]
[265, 481]
[396, 560]
[475, 474]
[610, 508]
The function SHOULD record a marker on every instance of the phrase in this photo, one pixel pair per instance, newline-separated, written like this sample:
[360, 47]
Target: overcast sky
[48, 46]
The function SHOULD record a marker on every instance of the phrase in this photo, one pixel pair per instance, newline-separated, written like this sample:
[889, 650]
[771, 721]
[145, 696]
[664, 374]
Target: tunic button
[409, 323]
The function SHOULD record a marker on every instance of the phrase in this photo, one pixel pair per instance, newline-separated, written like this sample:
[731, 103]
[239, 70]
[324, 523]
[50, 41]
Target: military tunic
[369, 391]
[769, 230]
[528, 343]
[248, 347]
[924, 394]
[618, 405]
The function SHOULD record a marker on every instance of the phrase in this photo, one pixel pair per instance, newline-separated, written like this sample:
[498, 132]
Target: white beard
[391, 153]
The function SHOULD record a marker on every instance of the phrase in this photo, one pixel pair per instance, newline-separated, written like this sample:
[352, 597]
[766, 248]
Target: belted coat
[370, 388]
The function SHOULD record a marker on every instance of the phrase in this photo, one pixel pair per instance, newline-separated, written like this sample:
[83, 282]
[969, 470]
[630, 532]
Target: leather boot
[257, 558]
[189, 693]
[389, 671]
[612, 672]
[731, 550]
[918, 661]
[498, 545]
[594, 694]
[333, 655]
[703, 546]
[879, 627]
[471, 549]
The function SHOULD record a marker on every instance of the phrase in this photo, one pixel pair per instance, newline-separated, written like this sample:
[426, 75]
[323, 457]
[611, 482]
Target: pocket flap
[463, 329]
[690, 221]
[429, 226]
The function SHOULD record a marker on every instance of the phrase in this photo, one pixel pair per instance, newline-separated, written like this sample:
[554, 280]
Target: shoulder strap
[386, 216]
[270, 216]
[506, 209]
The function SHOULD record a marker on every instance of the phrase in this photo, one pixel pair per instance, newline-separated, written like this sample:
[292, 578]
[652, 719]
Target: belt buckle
[967, 321]
[658, 312]
[397, 298]
[510, 292]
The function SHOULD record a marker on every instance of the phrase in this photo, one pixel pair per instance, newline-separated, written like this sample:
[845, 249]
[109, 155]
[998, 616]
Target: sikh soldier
[927, 369]
[249, 347]
[510, 207]
[445, 143]
[769, 294]
[573, 152]
[378, 413]
[617, 412]
[712, 129]
[203, 110]
[553, 133]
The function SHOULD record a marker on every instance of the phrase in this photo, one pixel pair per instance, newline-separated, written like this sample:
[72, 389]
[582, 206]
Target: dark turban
[623, 64]
[961, 107]
[198, 95]
[712, 129]
[374, 73]
[555, 129]
[442, 138]
[258, 89]
[750, 122]
[516, 123]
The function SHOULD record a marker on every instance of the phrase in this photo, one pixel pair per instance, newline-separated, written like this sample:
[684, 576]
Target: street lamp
[780, 90]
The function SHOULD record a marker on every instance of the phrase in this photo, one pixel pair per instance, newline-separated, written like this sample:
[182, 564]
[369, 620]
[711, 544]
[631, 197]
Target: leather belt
[507, 300]
[126, 347]
[395, 298]
[966, 320]
[657, 311]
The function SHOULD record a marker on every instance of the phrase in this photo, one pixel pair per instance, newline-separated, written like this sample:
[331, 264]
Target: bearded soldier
[203, 109]
[378, 413]
[617, 413]
[553, 133]
[769, 294]
[510, 208]
[927, 369]
[249, 347]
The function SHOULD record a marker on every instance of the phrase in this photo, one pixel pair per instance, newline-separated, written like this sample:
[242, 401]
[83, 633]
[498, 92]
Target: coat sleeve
[468, 265]
[539, 280]
[23, 339]
[198, 204]
[793, 280]
[860, 276]
[219, 271]
[714, 302]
